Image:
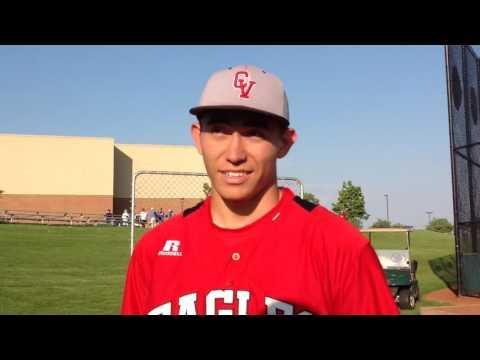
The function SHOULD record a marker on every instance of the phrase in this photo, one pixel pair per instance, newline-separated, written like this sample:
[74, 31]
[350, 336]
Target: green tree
[399, 225]
[381, 223]
[310, 197]
[440, 225]
[206, 189]
[351, 204]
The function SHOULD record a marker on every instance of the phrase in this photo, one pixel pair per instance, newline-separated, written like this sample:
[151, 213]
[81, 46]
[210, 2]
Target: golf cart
[400, 269]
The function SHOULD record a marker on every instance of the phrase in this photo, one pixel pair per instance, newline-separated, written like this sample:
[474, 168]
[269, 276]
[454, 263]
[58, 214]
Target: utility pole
[386, 197]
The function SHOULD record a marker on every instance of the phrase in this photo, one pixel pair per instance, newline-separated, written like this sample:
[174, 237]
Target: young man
[251, 247]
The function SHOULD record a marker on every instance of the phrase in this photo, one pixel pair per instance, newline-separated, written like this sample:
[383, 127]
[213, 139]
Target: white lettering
[171, 245]
[165, 309]
[187, 304]
[226, 295]
[170, 253]
[273, 305]
[304, 313]
[243, 297]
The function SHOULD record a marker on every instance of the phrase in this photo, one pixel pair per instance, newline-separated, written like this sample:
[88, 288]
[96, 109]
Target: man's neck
[237, 214]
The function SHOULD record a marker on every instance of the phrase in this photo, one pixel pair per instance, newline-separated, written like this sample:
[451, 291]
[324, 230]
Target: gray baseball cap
[244, 87]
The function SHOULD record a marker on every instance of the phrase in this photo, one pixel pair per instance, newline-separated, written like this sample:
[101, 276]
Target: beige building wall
[153, 157]
[89, 175]
[56, 173]
[158, 191]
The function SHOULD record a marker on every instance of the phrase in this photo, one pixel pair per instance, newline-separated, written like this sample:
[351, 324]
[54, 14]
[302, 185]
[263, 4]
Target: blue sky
[376, 115]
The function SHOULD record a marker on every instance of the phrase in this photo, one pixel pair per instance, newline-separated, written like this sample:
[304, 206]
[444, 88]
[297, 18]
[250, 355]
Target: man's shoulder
[314, 213]
[172, 227]
[325, 225]
[172, 224]
[193, 211]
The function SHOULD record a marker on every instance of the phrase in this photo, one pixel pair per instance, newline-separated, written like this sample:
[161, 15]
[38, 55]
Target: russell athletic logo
[241, 82]
[171, 248]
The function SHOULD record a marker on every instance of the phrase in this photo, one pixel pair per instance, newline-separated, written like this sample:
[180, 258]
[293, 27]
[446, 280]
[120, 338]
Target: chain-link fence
[170, 193]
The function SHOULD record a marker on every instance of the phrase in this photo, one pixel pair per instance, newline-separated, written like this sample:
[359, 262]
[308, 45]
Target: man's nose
[236, 149]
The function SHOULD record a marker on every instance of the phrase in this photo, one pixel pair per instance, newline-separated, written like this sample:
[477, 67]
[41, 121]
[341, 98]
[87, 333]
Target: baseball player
[251, 247]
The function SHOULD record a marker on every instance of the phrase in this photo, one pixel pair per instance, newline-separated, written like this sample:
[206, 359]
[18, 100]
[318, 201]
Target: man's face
[240, 149]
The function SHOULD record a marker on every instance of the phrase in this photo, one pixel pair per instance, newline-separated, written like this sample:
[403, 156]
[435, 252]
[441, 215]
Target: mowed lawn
[62, 270]
[81, 270]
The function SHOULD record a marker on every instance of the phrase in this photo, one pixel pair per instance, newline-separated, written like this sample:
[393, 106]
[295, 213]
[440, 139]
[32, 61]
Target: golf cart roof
[371, 230]
[406, 231]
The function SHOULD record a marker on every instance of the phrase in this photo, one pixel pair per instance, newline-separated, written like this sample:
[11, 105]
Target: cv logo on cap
[241, 82]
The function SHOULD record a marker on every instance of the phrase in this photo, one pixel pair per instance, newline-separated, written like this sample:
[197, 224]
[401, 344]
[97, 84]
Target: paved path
[457, 305]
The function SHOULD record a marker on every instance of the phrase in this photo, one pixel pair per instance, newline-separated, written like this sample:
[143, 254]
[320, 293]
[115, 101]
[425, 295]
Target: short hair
[254, 116]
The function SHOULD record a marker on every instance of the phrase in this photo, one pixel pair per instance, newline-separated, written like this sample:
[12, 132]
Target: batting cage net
[462, 68]
[159, 195]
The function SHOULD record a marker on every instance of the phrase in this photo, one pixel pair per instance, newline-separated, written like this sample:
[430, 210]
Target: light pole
[429, 219]
[386, 197]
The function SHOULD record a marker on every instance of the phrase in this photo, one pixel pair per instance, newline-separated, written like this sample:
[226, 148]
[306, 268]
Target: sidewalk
[462, 305]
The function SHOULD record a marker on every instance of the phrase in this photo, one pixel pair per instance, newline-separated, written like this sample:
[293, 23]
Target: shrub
[381, 223]
[440, 225]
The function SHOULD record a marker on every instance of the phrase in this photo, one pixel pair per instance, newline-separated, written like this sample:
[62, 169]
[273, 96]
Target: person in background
[108, 216]
[125, 217]
[152, 218]
[143, 217]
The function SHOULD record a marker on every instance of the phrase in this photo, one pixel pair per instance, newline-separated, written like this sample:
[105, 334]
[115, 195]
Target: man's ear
[195, 131]
[288, 139]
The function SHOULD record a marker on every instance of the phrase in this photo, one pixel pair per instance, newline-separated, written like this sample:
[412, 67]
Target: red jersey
[296, 259]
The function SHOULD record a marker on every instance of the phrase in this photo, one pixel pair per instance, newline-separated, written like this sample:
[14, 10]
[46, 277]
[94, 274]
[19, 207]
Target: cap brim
[200, 109]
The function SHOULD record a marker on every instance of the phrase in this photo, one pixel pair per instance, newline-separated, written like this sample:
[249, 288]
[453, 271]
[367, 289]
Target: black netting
[463, 85]
[465, 238]
[457, 106]
[463, 195]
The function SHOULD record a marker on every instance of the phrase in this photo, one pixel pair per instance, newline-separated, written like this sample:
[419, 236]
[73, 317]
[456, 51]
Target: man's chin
[236, 195]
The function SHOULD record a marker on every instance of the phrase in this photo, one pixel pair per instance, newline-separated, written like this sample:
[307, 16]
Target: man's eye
[217, 129]
[255, 133]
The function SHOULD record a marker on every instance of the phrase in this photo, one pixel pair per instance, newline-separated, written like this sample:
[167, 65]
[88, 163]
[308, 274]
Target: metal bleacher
[56, 218]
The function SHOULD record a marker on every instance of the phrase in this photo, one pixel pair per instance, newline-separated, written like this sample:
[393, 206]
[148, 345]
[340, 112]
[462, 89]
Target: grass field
[80, 270]
[62, 270]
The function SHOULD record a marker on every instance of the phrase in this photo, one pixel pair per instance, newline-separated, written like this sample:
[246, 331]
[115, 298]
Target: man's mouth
[235, 177]
[235, 173]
